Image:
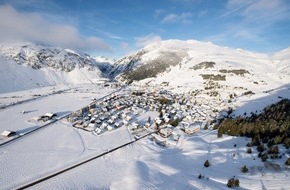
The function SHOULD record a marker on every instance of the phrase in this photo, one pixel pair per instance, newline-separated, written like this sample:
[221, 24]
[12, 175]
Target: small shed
[8, 133]
[50, 115]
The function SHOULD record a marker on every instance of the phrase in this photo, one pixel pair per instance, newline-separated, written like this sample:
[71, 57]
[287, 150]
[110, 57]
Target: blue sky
[115, 28]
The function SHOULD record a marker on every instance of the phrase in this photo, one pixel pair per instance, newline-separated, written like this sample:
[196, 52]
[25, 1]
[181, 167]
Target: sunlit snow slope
[193, 64]
[25, 66]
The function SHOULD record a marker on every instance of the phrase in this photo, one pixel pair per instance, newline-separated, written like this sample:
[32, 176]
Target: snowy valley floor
[145, 165]
[141, 165]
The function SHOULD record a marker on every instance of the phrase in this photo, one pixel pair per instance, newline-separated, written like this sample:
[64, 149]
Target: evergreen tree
[233, 182]
[220, 133]
[149, 119]
[261, 148]
[199, 177]
[206, 163]
[237, 183]
[275, 150]
[175, 123]
[256, 140]
[244, 169]
[288, 162]
[160, 114]
[287, 142]
[264, 157]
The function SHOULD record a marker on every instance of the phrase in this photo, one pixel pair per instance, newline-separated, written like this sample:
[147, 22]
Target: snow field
[144, 165]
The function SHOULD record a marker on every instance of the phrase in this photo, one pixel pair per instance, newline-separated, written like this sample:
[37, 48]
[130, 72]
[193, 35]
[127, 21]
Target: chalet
[133, 126]
[98, 121]
[166, 119]
[173, 112]
[77, 122]
[110, 121]
[123, 115]
[92, 105]
[114, 117]
[102, 118]
[84, 110]
[103, 126]
[188, 118]
[175, 136]
[87, 118]
[93, 111]
[147, 125]
[128, 118]
[69, 119]
[49, 115]
[158, 121]
[93, 120]
[86, 124]
[76, 114]
[110, 128]
[92, 126]
[98, 131]
[8, 133]
[125, 122]
[104, 109]
[118, 124]
[195, 128]
[113, 110]
[165, 132]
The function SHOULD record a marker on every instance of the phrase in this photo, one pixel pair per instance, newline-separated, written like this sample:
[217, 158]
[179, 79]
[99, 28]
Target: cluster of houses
[176, 113]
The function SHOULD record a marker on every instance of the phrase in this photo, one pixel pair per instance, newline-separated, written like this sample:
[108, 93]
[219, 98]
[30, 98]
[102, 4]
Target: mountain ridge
[172, 62]
[32, 65]
[196, 51]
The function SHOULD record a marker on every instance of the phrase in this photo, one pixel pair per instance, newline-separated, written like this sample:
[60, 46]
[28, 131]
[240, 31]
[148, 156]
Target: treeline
[272, 126]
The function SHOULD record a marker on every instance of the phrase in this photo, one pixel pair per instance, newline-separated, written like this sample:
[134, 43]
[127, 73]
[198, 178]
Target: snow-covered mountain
[105, 64]
[282, 61]
[102, 59]
[25, 66]
[180, 65]
[200, 65]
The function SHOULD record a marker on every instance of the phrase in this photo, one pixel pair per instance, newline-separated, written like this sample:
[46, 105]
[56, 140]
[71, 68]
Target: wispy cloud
[203, 13]
[25, 26]
[258, 10]
[158, 13]
[235, 6]
[251, 21]
[177, 18]
[107, 34]
[146, 40]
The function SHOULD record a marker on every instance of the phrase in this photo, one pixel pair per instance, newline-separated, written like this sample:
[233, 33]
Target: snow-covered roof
[7, 133]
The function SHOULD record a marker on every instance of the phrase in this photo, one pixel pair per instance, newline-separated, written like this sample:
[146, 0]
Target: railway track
[17, 138]
[44, 178]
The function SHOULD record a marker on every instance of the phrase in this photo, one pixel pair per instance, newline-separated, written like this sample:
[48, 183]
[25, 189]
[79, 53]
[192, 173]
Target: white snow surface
[282, 61]
[148, 166]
